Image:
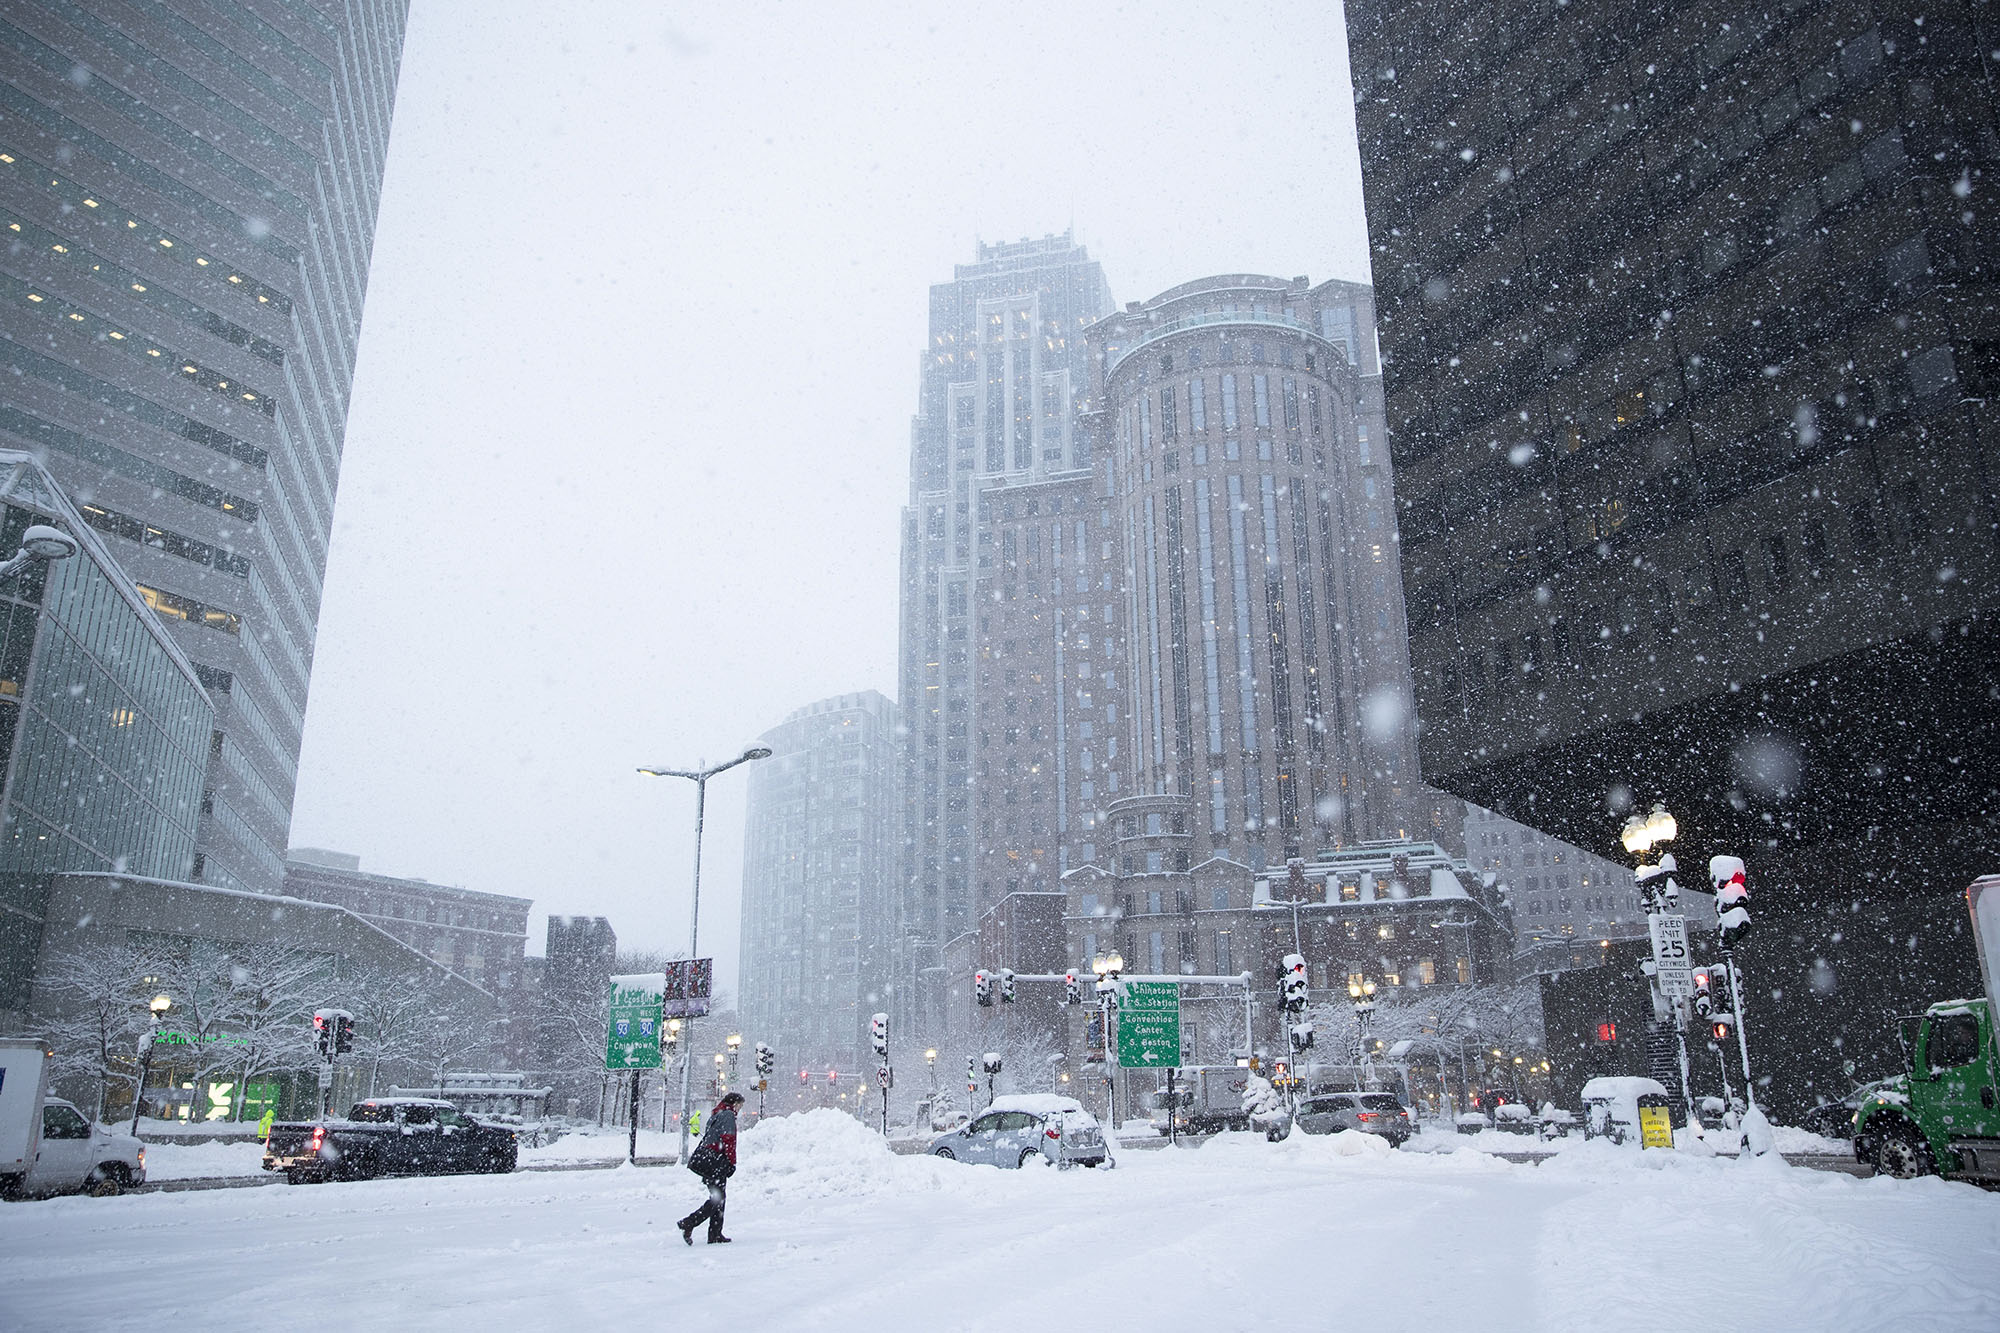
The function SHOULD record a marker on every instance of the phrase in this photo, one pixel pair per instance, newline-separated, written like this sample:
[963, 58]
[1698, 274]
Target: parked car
[1514, 1118]
[390, 1136]
[1377, 1113]
[1484, 1113]
[1835, 1120]
[1013, 1131]
[1611, 1107]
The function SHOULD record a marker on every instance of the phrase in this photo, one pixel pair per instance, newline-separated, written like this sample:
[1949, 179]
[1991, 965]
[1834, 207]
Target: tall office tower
[1689, 327]
[188, 199]
[1243, 470]
[1689, 319]
[1561, 895]
[821, 871]
[997, 401]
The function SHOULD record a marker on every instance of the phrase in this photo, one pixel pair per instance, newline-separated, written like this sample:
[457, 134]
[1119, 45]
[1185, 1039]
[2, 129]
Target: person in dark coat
[714, 1160]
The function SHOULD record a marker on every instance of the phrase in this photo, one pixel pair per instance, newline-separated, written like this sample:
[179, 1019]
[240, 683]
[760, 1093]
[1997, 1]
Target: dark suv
[1370, 1112]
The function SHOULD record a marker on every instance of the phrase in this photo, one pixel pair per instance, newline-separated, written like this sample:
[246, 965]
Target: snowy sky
[630, 425]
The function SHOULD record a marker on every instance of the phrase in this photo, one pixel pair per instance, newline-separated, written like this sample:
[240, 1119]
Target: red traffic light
[1720, 1031]
[831, 1076]
[1607, 1032]
[804, 1076]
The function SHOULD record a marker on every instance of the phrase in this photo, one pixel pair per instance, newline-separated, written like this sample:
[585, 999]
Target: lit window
[90, 203]
[188, 369]
[152, 351]
[6, 157]
[164, 241]
[138, 286]
[130, 223]
[249, 397]
[78, 318]
[199, 260]
[234, 278]
[34, 297]
[116, 334]
[60, 249]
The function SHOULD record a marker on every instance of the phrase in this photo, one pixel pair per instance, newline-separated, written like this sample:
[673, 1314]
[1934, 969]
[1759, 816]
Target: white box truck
[47, 1146]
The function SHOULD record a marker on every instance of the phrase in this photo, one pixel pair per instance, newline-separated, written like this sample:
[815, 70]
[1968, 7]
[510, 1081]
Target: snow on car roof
[1035, 1103]
[404, 1101]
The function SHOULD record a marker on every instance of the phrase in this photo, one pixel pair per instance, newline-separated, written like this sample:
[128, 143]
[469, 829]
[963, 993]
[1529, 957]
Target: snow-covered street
[832, 1231]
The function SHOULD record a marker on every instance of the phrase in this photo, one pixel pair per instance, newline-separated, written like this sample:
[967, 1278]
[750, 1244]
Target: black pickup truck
[389, 1136]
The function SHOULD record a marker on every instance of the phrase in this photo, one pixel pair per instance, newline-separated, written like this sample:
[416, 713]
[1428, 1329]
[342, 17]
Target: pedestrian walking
[714, 1160]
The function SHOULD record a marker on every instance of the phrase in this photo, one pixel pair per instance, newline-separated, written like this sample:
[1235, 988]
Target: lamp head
[1116, 962]
[1660, 826]
[757, 752]
[1634, 836]
[160, 1004]
[46, 543]
[1099, 965]
[1354, 990]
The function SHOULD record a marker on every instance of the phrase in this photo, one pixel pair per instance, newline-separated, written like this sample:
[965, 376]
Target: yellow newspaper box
[1656, 1125]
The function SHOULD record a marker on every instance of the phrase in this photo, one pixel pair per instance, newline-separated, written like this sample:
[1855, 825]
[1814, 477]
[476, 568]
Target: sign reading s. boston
[632, 1028]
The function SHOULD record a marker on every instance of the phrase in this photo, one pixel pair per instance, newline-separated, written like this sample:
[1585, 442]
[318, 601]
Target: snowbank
[192, 1161]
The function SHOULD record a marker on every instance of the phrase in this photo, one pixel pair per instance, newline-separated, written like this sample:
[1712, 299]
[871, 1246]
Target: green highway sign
[1149, 1025]
[632, 1031]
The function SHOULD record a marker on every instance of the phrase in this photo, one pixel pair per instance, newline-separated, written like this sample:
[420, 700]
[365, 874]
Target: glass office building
[105, 729]
[187, 210]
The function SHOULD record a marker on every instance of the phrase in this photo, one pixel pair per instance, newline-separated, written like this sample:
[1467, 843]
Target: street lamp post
[699, 777]
[1659, 896]
[158, 1007]
[1107, 967]
[735, 1045]
[671, 1040]
[1362, 993]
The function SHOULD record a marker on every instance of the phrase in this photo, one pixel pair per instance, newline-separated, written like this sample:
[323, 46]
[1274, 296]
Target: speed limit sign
[1670, 955]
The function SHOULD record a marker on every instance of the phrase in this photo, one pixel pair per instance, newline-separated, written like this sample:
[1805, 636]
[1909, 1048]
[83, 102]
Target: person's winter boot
[687, 1225]
[715, 1238]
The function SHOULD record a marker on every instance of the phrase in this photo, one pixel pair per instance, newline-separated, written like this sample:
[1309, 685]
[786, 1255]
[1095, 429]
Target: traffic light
[1704, 997]
[1732, 898]
[971, 1072]
[1292, 981]
[804, 1078]
[878, 1035]
[767, 1060]
[1302, 1036]
[1006, 985]
[1072, 988]
[343, 1034]
[982, 987]
[1607, 1032]
[323, 1035]
[1722, 1027]
[991, 1062]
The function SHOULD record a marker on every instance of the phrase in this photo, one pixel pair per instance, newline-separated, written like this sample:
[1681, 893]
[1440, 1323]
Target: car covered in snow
[390, 1136]
[1611, 1107]
[1014, 1131]
[1377, 1113]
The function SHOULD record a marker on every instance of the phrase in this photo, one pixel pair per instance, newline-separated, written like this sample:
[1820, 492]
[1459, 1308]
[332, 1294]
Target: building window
[1229, 403]
[1260, 389]
[1198, 408]
[1224, 961]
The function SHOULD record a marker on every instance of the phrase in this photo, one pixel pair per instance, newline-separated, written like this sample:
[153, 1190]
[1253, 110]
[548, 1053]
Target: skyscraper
[1687, 326]
[821, 873]
[1689, 337]
[1244, 472]
[1199, 600]
[997, 406]
[188, 205]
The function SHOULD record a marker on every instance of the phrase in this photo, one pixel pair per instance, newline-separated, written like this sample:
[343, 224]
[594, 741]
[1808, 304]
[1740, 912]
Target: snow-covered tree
[94, 1002]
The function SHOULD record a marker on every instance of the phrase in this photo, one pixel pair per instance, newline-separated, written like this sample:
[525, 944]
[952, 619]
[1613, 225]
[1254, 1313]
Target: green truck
[1943, 1114]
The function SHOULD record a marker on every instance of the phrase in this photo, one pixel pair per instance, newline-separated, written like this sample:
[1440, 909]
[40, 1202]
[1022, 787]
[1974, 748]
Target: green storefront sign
[632, 1032]
[1149, 1025]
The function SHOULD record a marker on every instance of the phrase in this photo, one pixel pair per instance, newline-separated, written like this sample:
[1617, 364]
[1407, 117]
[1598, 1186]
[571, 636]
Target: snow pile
[1296, 1150]
[1799, 1142]
[823, 1152]
[190, 1161]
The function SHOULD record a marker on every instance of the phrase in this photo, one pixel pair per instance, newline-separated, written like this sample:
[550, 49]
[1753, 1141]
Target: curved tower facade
[1268, 661]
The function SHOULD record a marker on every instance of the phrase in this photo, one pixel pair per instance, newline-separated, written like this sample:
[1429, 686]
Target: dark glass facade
[187, 207]
[1689, 326]
[105, 730]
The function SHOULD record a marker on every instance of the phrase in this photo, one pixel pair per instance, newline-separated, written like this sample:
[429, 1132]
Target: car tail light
[1369, 1115]
[319, 1136]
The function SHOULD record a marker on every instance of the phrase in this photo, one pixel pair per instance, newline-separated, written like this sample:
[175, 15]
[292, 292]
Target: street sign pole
[632, 1035]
